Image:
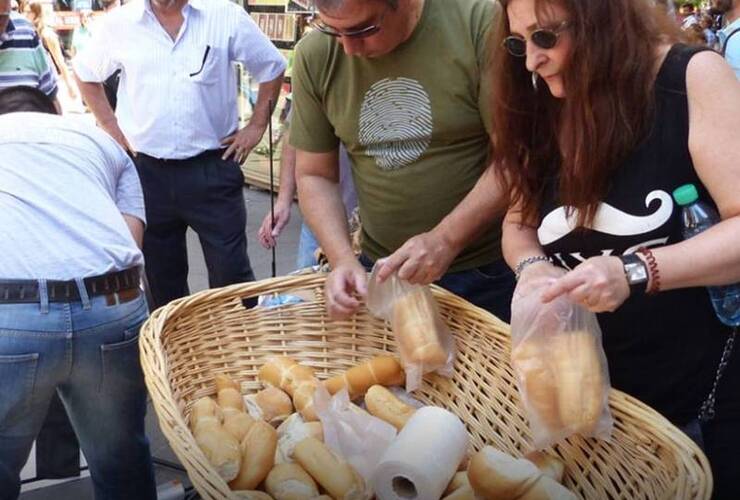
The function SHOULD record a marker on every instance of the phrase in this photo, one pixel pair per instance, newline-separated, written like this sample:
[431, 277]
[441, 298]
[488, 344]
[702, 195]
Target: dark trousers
[720, 440]
[489, 287]
[206, 194]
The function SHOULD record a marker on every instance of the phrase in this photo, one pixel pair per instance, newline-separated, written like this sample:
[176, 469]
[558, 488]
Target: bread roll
[303, 400]
[383, 404]
[323, 497]
[580, 382]
[290, 482]
[237, 423]
[220, 448]
[271, 405]
[546, 488]
[494, 475]
[252, 495]
[462, 493]
[381, 370]
[285, 373]
[225, 382]
[230, 398]
[297, 380]
[419, 329]
[293, 431]
[547, 464]
[336, 476]
[538, 380]
[202, 408]
[258, 456]
[459, 480]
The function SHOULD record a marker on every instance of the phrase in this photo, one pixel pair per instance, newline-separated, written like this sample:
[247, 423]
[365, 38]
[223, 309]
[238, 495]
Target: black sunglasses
[544, 38]
[365, 32]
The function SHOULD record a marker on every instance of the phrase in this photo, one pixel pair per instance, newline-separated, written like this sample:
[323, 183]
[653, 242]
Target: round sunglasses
[544, 38]
[365, 32]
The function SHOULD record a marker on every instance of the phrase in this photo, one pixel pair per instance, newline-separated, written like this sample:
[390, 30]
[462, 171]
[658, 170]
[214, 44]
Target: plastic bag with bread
[560, 368]
[351, 432]
[424, 341]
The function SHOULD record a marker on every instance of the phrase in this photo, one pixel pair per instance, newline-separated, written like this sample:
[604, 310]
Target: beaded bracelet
[529, 260]
[652, 266]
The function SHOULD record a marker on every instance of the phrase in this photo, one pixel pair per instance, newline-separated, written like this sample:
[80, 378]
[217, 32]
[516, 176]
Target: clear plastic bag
[560, 367]
[425, 343]
[351, 432]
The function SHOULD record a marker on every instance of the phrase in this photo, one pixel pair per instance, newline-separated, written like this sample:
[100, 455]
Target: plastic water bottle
[697, 217]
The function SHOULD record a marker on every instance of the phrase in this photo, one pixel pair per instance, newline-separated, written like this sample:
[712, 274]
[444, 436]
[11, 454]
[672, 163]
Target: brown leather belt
[119, 287]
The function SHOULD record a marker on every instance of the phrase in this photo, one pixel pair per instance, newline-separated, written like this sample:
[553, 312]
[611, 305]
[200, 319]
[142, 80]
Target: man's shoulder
[316, 49]
[731, 37]
[315, 42]
[477, 10]
[22, 28]
[54, 129]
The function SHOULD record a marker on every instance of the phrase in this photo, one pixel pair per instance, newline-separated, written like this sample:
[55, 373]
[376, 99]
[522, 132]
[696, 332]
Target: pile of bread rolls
[237, 435]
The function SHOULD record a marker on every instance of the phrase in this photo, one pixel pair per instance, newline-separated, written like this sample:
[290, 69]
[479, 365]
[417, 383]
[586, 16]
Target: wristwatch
[636, 272]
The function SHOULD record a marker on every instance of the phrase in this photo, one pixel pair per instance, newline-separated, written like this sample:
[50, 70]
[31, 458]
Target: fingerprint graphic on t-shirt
[396, 122]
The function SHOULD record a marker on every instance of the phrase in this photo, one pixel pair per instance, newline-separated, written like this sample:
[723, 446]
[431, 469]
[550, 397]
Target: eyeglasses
[365, 32]
[544, 38]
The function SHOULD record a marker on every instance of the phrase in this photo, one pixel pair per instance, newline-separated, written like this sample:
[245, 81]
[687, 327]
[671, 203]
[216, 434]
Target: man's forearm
[287, 171]
[94, 96]
[473, 215]
[268, 92]
[323, 210]
[136, 226]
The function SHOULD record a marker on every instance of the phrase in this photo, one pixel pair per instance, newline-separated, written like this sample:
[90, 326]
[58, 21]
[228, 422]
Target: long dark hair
[606, 112]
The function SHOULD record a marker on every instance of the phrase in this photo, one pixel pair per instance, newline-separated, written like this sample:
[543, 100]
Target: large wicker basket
[187, 342]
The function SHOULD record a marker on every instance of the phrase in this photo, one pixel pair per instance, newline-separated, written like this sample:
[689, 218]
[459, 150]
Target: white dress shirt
[177, 98]
[64, 184]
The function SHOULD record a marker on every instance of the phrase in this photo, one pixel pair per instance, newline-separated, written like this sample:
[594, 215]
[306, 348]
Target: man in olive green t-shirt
[401, 84]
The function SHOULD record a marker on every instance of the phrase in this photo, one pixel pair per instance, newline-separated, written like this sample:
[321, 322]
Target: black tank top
[662, 349]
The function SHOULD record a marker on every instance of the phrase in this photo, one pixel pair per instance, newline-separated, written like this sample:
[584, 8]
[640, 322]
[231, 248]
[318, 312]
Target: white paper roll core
[421, 461]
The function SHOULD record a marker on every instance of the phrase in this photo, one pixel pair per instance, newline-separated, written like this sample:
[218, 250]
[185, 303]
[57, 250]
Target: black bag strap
[727, 40]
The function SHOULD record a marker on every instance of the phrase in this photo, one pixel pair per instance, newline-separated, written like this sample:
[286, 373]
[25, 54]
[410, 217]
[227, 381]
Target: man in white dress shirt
[177, 114]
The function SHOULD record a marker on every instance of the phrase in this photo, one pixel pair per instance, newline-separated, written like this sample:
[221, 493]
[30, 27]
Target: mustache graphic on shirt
[609, 220]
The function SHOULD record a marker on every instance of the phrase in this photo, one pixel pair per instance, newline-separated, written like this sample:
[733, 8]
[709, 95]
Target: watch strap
[640, 287]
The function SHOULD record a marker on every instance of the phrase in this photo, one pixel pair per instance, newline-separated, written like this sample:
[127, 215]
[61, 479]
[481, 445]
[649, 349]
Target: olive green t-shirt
[415, 123]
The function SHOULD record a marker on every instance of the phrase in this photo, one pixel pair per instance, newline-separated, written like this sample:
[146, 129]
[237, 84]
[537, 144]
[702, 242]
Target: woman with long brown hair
[599, 114]
[34, 11]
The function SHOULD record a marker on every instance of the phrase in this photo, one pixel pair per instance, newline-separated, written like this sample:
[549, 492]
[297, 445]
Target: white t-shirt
[63, 187]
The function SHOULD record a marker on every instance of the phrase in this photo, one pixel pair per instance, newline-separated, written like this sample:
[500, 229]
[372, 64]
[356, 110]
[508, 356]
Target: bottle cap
[686, 195]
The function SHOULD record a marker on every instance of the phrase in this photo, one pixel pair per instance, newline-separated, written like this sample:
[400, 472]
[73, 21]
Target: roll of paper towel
[421, 461]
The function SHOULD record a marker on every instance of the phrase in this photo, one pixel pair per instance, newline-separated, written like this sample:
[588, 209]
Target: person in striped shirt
[22, 57]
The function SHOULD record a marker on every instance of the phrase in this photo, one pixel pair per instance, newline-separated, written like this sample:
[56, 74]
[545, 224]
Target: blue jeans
[88, 353]
[489, 287]
[307, 246]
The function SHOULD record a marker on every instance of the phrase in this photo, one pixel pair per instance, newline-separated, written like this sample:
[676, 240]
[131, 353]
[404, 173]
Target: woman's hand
[537, 275]
[598, 284]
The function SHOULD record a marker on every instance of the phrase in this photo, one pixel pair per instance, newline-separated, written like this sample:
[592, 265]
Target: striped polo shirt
[23, 59]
